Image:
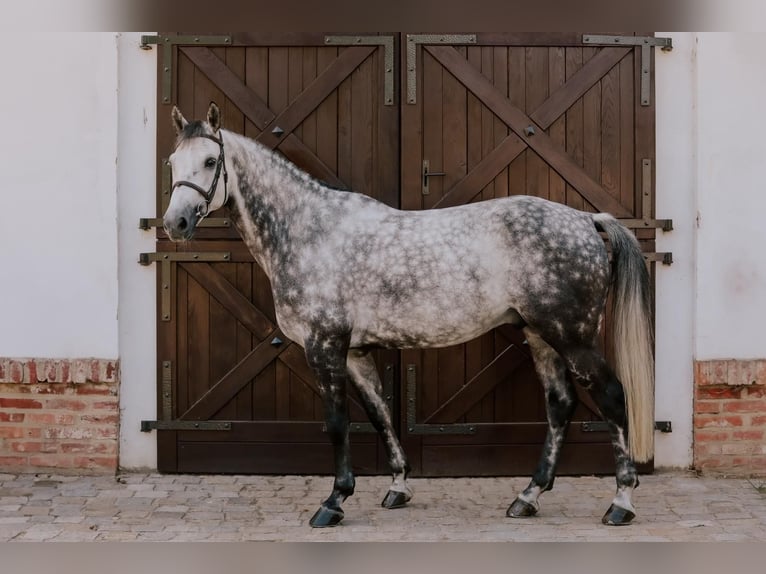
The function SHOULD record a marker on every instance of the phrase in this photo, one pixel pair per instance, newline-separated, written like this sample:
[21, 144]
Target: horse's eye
[210, 162]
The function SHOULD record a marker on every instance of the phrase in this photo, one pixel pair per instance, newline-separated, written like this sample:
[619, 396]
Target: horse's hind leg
[592, 372]
[365, 378]
[327, 357]
[560, 403]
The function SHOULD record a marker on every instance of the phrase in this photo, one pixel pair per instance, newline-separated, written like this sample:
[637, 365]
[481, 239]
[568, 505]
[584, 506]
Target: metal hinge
[424, 428]
[166, 258]
[388, 57]
[147, 426]
[412, 43]
[167, 422]
[602, 426]
[167, 42]
[646, 43]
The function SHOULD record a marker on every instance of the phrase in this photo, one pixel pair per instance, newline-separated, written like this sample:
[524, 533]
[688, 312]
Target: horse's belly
[423, 328]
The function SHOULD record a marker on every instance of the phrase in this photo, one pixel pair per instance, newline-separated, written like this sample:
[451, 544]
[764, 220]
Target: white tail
[633, 341]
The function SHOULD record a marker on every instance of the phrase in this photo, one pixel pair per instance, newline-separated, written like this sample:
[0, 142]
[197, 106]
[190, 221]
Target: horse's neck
[269, 196]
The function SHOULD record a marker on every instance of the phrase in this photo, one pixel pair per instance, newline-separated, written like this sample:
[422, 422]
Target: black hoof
[325, 517]
[521, 509]
[617, 516]
[395, 499]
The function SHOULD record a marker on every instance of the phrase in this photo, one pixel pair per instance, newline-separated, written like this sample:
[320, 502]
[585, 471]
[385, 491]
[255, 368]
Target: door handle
[427, 174]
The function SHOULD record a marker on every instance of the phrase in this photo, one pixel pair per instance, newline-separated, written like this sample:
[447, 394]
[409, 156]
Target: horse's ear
[214, 117]
[179, 121]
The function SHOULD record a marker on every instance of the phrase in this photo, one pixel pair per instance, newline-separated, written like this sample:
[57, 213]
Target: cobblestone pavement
[671, 507]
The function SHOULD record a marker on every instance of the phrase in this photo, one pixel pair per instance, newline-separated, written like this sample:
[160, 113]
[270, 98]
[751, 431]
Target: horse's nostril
[182, 224]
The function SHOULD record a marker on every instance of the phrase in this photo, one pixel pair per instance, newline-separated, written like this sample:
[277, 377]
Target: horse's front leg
[366, 381]
[327, 358]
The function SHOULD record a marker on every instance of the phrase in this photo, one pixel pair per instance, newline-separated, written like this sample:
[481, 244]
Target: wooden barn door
[236, 395]
[492, 115]
[419, 122]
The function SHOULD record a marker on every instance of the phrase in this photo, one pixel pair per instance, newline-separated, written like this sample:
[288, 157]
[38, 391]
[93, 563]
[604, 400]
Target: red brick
[52, 460]
[712, 372]
[11, 461]
[66, 370]
[19, 432]
[66, 404]
[3, 369]
[712, 436]
[111, 405]
[51, 418]
[75, 433]
[46, 371]
[80, 370]
[745, 406]
[16, 369]
[708, 407]
[104, 432]
[758, 420]
[90, 447]
[748, 434]
[102, 419]
[712, 421]
[756, 392]
[9, 403]
[742, 372]
[96, 461]
[109, 371]
[11, 417]
[719, 392]
[30, 446]
[93, 390]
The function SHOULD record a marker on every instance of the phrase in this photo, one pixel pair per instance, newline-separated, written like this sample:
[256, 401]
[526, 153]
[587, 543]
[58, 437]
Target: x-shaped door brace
[529, 131]
[274, 344]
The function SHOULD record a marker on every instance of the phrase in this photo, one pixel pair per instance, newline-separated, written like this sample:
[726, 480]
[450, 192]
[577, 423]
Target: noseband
[210, 193]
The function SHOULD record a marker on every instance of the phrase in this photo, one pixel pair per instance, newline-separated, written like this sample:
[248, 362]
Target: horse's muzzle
[180, 227]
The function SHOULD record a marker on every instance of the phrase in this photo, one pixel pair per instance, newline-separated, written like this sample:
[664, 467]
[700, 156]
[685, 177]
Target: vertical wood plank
[557, 131]
[517, 94]
[362, 129]
[244, 283]
[627, 134]
[198, 337]
[433, 132]
[412, 126]
[500, 130]
[610, 132]
[344, 130]
[537, 93]
[487, 119]
[574, 121]
[222, 343]
[327, 115]
[309, 125]
[591, 129]
[257, 79]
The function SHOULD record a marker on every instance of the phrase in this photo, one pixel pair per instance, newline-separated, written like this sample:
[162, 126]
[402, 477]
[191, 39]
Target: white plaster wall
[58, 202]
[731, 234]
[675, 77]
[137, 184]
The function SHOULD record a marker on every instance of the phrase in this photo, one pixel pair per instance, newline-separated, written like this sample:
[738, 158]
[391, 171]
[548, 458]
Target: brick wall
[59, 414]
[730, 417]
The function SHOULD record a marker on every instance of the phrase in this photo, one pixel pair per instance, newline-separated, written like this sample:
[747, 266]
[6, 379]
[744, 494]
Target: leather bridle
[209, 194]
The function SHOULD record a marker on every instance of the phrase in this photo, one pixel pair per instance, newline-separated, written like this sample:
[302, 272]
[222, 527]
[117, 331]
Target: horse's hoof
[521, 509]
[617, 516]
[325, 517]
[395, 499]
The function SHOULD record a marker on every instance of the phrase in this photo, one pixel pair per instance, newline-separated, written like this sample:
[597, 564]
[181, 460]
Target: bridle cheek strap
[209, 194]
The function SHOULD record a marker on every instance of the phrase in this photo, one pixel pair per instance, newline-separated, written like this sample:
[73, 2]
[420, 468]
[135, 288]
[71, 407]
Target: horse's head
[197, 164]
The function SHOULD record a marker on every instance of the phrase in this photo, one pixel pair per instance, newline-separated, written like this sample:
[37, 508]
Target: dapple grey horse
[350, 274]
